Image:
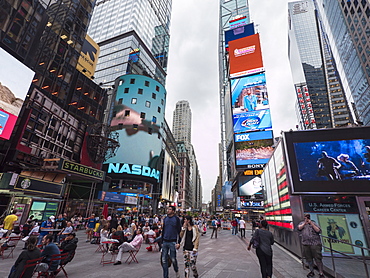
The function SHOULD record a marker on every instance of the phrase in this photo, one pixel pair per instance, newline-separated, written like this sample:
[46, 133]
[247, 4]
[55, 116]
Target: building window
[120, 82]
[162, 101]
[132, 81]
[154, 96]
[157, 88]
[120, 101]
[147, 104]
[147, 83]
[133, 100]
[127, 113]
[126, 90]
[154, 120]
[140, 91]
[114, 113]
[142, 115]
[159, 109]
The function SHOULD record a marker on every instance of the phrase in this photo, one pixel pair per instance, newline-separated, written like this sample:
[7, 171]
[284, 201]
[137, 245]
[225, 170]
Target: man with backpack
[214, 227]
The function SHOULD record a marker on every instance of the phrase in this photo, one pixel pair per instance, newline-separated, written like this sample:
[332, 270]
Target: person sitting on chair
[31, 253]
[49, 250]
[69, 246]
[10, 243]
[133, 245]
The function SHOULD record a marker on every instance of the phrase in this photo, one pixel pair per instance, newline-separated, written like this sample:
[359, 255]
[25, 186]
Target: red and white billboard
[245, 56]
[15, 80]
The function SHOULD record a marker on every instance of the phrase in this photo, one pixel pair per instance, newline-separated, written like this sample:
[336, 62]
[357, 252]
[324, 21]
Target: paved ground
[224, 257]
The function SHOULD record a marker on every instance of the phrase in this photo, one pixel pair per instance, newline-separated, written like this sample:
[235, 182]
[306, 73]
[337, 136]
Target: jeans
[169, 247]
[235, 230]
[242, 232]
[214, 232]
[265, 263]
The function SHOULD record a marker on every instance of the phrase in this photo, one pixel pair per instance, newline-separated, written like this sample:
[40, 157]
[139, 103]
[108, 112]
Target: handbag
[256, 240]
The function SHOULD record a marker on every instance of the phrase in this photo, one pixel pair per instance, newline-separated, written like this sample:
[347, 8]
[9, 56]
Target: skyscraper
[133, 36]
[181, 126]
[320, 99]
[347, 24]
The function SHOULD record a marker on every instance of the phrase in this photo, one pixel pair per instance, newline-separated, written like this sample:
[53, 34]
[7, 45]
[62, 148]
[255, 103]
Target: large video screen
[250, 185]
[245, 56]
[15, 80]
[253, 147]
[335, 160]
[238, 33]
[250, 103]
[137, 117]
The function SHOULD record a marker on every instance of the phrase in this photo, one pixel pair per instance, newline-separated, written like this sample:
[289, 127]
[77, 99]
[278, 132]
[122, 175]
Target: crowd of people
[123, 233]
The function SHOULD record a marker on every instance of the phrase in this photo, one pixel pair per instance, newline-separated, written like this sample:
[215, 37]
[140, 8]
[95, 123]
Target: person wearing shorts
[90, 226]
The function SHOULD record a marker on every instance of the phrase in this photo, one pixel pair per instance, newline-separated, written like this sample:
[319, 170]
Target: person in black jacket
[31, 253]
[69, 246]
[264, 250]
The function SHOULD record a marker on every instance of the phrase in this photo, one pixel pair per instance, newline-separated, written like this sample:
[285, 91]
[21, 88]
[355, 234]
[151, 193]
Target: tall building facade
[348, 27]
[181, 126]
[59, 124]
[133, 36]
[321, 102]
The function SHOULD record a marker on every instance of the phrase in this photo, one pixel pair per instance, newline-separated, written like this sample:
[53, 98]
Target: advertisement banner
[253, 147]
[33, 185]
[245, 56]
[15, 80]
[88, 57]
[137, 118]
[238, 33]
[249, 121]
[250, 185]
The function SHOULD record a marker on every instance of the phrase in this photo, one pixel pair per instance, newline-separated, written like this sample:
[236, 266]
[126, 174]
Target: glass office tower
[133, 37]
[320, 99]
[347, 24]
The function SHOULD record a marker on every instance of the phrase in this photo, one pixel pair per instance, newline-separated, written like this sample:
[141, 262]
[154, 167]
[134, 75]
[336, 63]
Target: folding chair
[132, 256]
[111, 260]
[101, 248]
[15, 239]
[63, 262]
[52, 274]
[152, 243]
[30, 264]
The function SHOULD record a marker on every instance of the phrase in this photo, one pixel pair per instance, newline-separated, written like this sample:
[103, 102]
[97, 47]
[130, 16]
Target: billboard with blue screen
[253, 147]
[330, 160]
[238, 33]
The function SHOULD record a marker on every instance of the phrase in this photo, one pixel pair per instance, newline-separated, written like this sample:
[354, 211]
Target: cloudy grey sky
[193, 73]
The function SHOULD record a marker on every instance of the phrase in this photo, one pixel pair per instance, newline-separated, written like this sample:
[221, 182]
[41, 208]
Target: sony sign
[132, 169]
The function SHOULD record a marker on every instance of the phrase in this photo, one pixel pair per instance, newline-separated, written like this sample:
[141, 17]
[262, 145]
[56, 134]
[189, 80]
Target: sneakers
[177, 274]
[311, 274]
[119, 262]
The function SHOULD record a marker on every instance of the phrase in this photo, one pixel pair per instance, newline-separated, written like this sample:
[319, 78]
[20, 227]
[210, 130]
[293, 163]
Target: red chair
[152, 243]
[30, 264]
[52, 274]
[132, 256]
[14, 239]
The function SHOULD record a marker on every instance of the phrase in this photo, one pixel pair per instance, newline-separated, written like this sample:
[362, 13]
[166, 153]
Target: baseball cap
[52, 218]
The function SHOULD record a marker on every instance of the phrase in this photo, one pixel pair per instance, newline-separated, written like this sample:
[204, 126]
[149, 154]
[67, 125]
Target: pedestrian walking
[311, 241]
[171, 239]
[264, 250]
[190, 242]
[234, 225]
[214, 227]
[242, 228]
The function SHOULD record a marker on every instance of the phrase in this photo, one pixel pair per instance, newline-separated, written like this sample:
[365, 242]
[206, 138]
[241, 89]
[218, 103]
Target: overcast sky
[193, 73]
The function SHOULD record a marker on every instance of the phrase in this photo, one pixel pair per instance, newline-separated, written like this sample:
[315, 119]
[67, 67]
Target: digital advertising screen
[253, 147]
[250, 185]
[238, 33]
[250, 103]
[137, 117]
[245, 56]
[333, 160]
[15, 80]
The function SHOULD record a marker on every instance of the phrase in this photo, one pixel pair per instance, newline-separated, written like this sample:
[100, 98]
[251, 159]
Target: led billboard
[253, 149]
[249, 186]
[250, 104]
[331, 160]
[15, 80]
[137, 116]
[238, 33]
[245, 56]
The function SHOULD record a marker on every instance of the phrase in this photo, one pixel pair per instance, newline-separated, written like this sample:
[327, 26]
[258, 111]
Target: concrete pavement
[224, 257]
